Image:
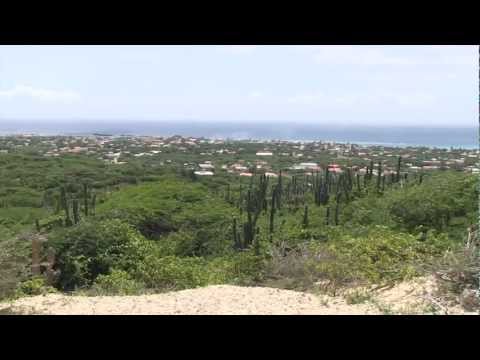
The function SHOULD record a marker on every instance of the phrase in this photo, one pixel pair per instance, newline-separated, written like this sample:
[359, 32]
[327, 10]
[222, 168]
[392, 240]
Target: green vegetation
[140, 227]
[34, 286]
[358, 297]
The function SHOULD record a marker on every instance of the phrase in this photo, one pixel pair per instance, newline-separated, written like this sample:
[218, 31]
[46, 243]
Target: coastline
[398, 137]
[353, 142]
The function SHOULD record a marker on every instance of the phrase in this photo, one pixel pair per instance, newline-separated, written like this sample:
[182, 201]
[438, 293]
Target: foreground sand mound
[211, 300]
[414, 297]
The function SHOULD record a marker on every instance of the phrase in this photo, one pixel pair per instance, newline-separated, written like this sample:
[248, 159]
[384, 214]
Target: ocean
[439, 137]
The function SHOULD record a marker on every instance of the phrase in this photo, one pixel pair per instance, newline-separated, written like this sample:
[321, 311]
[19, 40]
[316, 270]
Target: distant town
[208, 157]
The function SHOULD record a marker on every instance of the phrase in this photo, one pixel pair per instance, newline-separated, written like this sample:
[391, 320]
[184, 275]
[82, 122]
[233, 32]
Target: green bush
[201, 242]
[34, 286]
[188, 205]
[150, 223]
[87, 255]
[171, 272]
[15, 260]
[175, 273]
[368, 255]
[381, 254]
[237, 268]
[436, 202]
[443, 202]
[118, 282]
[94, 248]
[14, 216]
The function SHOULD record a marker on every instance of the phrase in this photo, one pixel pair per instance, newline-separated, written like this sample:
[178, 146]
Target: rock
[470, 300]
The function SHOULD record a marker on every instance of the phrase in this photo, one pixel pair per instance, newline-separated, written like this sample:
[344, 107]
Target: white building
[308, 166]
[203, 173]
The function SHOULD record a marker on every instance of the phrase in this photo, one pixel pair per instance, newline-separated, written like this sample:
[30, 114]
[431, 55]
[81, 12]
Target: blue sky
[358, 85]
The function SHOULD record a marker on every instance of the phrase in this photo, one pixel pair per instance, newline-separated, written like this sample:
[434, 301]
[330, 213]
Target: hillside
[171, 231]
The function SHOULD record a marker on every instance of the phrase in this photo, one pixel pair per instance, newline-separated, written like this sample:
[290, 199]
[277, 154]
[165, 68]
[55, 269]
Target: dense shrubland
[115, 232]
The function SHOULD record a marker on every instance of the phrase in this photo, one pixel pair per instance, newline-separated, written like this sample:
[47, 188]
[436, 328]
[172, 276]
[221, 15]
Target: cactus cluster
[321, 188]
[325, 188]
[254, 203]
[70, 204]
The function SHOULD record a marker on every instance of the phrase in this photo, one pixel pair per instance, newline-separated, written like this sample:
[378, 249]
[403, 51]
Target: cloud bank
[40, 94]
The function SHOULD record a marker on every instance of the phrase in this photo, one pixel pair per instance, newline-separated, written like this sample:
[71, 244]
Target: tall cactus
[379, 175]
[246, 233]
[327, 174]
[64, 202]
[305, 217]
[320, 189]
[240, 197]
[255, 203]
[85, 199]
[346, 187]
[94, 201]
[58, 204]
[227, 194]
[350, 179]
[257, 241]
[399, 165]
[63, 197]
[272, 210]
[76, 214]
[337, 210]
[279, 192]
[236, 241]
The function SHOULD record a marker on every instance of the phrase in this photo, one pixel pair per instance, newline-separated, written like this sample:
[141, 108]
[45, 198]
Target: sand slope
[215, 300]
[412, 297]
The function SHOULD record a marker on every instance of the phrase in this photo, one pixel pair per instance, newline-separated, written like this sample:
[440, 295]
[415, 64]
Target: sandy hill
[406, 298]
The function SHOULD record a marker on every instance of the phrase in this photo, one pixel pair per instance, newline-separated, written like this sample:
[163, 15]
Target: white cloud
[40, 94]
[307, 99]
[241, 49]
[411, 99]
[384, 55]
[414, 99]
[458, 59]
[255, 94]
[359, 55]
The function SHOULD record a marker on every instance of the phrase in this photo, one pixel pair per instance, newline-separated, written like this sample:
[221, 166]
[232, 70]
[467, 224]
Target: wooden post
[35, 256]
[50, 263]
